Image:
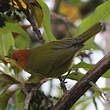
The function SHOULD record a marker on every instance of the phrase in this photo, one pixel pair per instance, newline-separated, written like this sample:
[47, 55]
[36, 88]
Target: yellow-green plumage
[52, 59]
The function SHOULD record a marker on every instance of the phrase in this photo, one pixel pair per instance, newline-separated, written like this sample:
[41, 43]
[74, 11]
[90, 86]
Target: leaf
[22, 42]
[101, 13]
[5, 82]
[82, 100]
[4, 99]
[85, 105]
[83, 65]
[14, 27]
[20, 98]
[106, 74]
[6, 38]
[6, 42]
[74, 2]
[46, 22]
[6, 79]
[38, 13]
[106, 89]
[90, 44]
[11, 106]
[75, 76]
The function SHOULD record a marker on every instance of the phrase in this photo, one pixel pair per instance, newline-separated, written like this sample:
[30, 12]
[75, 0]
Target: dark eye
[16, 59]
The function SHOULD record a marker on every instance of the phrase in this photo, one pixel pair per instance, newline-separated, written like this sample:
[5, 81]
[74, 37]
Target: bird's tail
[78, 41]
[90, 32]
[70, 42]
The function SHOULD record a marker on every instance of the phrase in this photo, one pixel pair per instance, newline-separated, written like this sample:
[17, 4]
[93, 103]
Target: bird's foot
[62, 85]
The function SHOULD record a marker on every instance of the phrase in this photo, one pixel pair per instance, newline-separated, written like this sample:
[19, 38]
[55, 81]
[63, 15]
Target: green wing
[52, 59]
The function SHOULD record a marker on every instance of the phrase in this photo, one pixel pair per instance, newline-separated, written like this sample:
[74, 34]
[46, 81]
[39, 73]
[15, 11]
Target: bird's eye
[16, 59]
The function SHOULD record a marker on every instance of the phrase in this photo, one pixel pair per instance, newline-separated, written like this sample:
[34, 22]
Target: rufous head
[20, 57]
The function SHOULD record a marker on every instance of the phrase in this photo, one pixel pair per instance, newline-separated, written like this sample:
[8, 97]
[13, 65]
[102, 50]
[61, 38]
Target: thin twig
[33, 23]
[31, 19]
[64, 19]
[102, 93]
[27, 100]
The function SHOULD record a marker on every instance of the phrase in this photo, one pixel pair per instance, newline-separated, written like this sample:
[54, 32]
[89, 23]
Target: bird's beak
[7, 59]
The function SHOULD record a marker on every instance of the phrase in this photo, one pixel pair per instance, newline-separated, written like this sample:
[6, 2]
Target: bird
[51, 59]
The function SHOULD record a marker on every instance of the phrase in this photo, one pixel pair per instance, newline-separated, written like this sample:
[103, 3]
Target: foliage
[16, 35]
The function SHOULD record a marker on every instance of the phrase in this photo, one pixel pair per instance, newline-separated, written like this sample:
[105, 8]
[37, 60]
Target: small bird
[51, 59]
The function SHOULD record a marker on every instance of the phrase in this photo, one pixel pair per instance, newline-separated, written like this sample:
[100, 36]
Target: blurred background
[66, 15]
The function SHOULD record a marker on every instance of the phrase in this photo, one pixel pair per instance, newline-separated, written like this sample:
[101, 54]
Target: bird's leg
[102, 93]
[62, 85]
[66, 75]
[62, 82]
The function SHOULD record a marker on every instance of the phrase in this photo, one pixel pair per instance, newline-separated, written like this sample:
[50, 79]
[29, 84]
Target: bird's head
[20, 57]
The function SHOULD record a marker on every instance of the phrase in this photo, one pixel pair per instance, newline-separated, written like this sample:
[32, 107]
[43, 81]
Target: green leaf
[20, 98]
[90, 44]
[75, 76]
[101, 13]
[6, 79]
[73, 2]
[14, 27]
[22, 42]
[37, 10]
[5, 82]
[85, 105]
[46, 22]
[4, 99]
[82, 100]
[6, 38]
[6, 42]
[107, 74]
[106, 89]
[11, 106]
[82, 65]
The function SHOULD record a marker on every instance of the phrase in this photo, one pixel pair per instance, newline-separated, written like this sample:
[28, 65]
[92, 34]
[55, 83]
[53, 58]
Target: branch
[31, 19]
[33, 23]
[64, 19]
[66, 102]
[27, 100]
